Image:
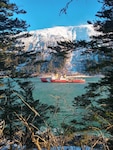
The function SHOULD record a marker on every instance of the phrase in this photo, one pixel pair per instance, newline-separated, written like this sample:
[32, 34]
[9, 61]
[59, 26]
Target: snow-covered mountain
[41, 39]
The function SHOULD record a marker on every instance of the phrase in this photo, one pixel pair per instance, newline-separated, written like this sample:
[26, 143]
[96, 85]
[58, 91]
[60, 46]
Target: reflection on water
[50, 92]
[61, 95]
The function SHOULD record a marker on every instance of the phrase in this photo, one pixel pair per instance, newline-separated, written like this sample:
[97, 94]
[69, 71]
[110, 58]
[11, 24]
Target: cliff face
[41, 39]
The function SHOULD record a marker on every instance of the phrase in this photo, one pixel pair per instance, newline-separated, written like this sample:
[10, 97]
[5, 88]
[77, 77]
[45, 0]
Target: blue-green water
[60, 95]
[50, 92]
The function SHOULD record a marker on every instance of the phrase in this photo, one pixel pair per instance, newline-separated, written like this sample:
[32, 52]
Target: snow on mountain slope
[41, 39]
[45, 37]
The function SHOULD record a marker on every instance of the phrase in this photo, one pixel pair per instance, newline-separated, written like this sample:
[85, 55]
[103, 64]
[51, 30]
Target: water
[49, 92]
[60, 95]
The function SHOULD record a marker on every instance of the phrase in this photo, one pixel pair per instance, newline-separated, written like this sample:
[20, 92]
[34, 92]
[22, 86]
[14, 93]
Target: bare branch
[64, 10]
[36, 113]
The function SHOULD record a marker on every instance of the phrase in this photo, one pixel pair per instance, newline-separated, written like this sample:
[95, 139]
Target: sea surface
[60, 95]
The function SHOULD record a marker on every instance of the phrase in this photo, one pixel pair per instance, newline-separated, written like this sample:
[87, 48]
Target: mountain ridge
[42, 38]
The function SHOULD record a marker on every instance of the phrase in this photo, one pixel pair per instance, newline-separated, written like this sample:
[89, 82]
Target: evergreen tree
[10, 26]
[10, 37]
[60, 54]
[44, 110]
[17, 102]
[9, 103]
[12, 93]
[95, 107]
[10, 29]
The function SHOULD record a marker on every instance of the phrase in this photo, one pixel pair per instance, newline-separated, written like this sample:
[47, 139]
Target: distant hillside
[41, 39]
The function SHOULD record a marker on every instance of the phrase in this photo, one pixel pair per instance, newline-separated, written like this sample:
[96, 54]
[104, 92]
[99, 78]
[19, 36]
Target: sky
[46, 13]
